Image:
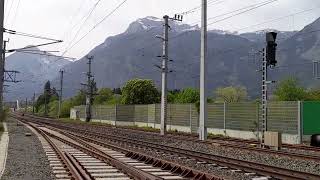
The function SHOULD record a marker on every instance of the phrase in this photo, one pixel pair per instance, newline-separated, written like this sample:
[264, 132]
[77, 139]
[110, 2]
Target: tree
[117, 91]
[231, 94]
[172, 95]
[289, 90]
[140, 91]
[104, 95]
[48, 96]
[313, 95]
[40, 101]
[79, 99]
[188, 95]
[47, 87]
[116, 99]
[54, 96]
[65, 109]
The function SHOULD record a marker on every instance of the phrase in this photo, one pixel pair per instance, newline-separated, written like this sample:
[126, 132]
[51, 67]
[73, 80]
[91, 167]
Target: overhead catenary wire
[251, 7]
[96, 25]
[15, 14]
[242, 12]
[71, 22]
[225, 51]
[28, 47]
[82, 25]
[279, 18]
[44, 54]
[9, 12]
[241, 9]
[221, 52]
[28, 35]
[197, 8]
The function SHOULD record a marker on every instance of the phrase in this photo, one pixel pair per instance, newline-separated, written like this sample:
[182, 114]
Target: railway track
[233, 164]
[73, 158]
[219, 140]
[247, 145]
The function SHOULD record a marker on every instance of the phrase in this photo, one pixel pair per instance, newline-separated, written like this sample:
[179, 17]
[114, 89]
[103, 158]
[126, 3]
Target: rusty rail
[230, 162]
[76, 171]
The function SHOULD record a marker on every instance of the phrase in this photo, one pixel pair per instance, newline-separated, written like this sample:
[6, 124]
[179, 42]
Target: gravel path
[26, 159]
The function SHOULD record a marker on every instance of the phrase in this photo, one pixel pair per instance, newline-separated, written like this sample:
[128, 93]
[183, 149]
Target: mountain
[232, 58]
[34, 70]
[260, 36]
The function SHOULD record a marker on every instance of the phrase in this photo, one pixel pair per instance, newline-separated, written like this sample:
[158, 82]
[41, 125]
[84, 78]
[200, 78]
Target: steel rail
[173, 167]
[183, 171]
[230, 162]
[76, 171]
[247, 166]
[211, 140]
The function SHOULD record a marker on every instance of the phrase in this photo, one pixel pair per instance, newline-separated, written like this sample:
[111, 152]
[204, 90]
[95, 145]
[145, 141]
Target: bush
[140, 91]
[53, 108]
[65, 109]
[1, 129]
[4, 114]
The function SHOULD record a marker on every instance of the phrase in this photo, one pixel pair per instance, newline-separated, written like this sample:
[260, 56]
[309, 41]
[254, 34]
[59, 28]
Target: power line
[71, 19]
[9, 11]
[83, 23]
[73, 23]
[277, 19]
[44, 54]
[197, 8]
[28, 35]
[96, 25]
[237, 10]
[241, 9]
[33, 46]
[242, 12]
[251, 7]
[15, 14]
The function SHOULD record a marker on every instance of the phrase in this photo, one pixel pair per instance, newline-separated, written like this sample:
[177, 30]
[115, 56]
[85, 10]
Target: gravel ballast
[26, 158]
[286, 162]
[308, 166]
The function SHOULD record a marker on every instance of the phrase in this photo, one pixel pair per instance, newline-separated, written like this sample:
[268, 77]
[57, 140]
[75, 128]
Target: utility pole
[89, 90]
[164, 71]
[33, 102]
[1, 57]
[3, 70]
[203, 70]
[60, 96]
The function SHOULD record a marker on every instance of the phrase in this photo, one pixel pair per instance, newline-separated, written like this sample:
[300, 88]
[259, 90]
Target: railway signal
[271, 48]
[269, 59]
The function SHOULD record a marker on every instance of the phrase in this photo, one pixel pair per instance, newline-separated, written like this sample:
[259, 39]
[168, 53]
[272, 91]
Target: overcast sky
[60, 19]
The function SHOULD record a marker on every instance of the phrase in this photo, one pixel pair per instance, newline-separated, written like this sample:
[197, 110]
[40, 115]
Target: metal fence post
[190, 117]
[258, 123]
[170, 117]
[99, 113]
[224, 119]
[155, 115]
[299, 123]
[115, 115]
